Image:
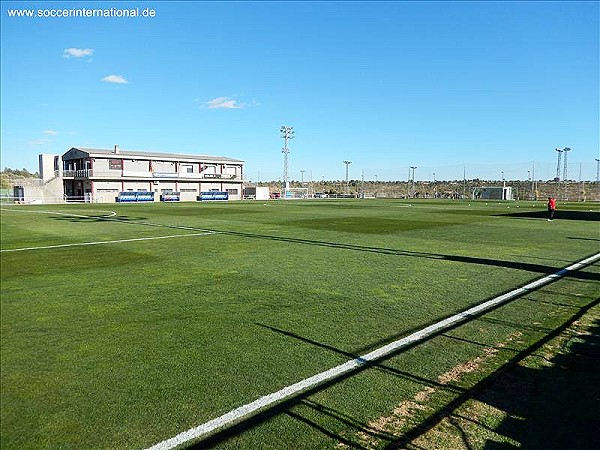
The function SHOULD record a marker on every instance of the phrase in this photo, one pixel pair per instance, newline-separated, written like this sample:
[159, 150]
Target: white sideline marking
[109, 219]
[77, 244]
[243, 412]
[111, 213]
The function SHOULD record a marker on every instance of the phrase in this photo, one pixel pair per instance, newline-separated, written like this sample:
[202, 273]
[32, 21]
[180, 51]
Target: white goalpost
[295, 193]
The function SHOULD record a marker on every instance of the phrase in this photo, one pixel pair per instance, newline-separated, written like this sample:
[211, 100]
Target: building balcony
[145, 175]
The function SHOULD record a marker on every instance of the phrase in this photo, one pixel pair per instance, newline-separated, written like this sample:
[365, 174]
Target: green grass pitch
[130, 339]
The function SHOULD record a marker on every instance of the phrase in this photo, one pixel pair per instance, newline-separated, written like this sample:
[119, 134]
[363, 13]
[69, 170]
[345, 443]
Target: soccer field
[124, 325]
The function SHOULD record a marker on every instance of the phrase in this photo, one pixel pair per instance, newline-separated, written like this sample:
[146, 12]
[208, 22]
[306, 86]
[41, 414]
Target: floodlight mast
[347, 164]
[558, 164]
[412, 180]
[287, 133]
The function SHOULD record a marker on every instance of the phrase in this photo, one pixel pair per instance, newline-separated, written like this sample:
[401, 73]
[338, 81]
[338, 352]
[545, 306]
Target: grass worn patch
[546, 396]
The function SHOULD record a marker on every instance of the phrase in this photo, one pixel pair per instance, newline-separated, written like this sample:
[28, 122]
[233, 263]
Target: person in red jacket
[551, 208]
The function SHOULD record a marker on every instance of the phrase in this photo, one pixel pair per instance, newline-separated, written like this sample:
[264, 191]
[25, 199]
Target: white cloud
[118, 79]
[223, 103]
[50, 132]
[77, 52]
[39, 141]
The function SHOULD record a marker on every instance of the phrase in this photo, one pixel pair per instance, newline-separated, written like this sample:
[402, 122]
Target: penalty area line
[117, 241]
[251, 409]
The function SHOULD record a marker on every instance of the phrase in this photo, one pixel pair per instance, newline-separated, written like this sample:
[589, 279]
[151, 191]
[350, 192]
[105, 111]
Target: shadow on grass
[529, 267]
[584, 239]
[377, 365]
[99, 218]
[594, 216]
[393, 442]
[539, 401]
[555, 407]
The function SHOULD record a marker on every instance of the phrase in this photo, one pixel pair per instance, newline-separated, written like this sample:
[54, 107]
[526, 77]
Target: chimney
[116, 149]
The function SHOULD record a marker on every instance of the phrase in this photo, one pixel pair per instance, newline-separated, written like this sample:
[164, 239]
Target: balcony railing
[125, 174]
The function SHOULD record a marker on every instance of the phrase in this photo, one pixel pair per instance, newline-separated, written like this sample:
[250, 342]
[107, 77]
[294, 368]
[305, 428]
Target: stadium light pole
[559, 151]
[533, 194]
[302, 176]
[565, 177]
[412, 178]
[287, 133]
[347, 164]
[565, 151]
[465, 182]
[598, 176]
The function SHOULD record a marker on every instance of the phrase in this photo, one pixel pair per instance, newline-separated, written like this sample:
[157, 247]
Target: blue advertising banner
[213, 195]
[131, 196]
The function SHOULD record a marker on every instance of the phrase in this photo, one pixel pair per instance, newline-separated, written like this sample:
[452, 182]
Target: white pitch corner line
[108, 218]
[246, 411]
[117, 241]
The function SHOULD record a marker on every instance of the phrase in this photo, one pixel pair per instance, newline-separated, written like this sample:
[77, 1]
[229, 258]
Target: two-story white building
[99, 175]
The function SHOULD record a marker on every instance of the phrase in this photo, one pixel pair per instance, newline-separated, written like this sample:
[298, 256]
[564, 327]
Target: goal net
[294, 193]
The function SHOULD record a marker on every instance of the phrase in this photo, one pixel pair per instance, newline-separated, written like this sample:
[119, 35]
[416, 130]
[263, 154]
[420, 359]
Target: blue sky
[448, 87]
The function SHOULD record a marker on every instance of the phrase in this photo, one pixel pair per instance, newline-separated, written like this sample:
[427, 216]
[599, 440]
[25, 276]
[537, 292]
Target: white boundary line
[112, 213]
[103, 242]
[108, 218]
[246, 411]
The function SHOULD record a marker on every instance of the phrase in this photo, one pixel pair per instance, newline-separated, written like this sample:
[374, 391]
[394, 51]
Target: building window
[232, 191]
[115, 164]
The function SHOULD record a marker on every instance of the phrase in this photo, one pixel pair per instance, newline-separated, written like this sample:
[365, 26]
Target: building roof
[103, 153]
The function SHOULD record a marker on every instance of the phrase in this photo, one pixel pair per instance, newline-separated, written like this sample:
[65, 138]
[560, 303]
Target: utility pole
[347, 187]
[362, 183]
[465, 182]
[582, 186]
[375, 187]
[598, 176]
[287, 133]
[565, 151]
[565, 178]
[533, 194]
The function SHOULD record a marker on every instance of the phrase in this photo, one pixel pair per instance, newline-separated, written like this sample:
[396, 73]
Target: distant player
[551, 208]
